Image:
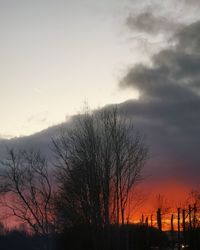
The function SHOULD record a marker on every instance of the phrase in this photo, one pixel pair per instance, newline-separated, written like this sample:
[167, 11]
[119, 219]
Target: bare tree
[26, 190]
[99, 160]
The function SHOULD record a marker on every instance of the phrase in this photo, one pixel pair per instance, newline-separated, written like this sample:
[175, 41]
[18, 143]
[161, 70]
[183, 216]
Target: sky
[143, 55]
[57, 55]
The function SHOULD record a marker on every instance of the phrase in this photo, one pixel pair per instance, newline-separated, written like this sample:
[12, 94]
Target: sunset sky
[145, 55]
[57, 55]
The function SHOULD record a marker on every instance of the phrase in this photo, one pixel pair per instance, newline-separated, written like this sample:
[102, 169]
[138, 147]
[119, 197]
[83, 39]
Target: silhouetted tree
[99, 160]
[159, 219]
[26, 189]
[179, 228]
[184, 224]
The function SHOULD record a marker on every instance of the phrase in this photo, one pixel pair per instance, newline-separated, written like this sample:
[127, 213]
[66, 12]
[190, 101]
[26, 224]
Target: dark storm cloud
[189, 38]
[169, 105]
[173, 75]
[149, 23]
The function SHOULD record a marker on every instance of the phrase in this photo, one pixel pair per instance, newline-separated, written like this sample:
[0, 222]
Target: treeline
[137, 237]
[117, 237]
[184, 225]
[19, 240]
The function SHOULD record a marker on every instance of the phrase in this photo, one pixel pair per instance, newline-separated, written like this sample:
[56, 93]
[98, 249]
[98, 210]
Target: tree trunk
[179, 239]
[159, 220]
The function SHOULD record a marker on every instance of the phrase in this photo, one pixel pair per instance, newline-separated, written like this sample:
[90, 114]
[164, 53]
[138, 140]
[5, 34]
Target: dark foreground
[136, 237]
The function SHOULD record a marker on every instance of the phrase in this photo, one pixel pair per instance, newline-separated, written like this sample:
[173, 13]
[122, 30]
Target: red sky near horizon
[146, 199]
[168, 194]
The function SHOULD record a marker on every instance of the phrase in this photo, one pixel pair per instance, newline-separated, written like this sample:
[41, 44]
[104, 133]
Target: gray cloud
[173, 75]
[191, 2]
[189, 38]
[149, 23]
[169, 105]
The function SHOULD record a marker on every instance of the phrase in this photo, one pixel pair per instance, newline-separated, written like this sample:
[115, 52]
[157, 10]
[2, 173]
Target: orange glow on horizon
[168, 195]
[145, 200]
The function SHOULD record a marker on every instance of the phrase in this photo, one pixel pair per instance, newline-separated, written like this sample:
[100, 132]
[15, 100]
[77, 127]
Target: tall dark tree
[99, 160]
